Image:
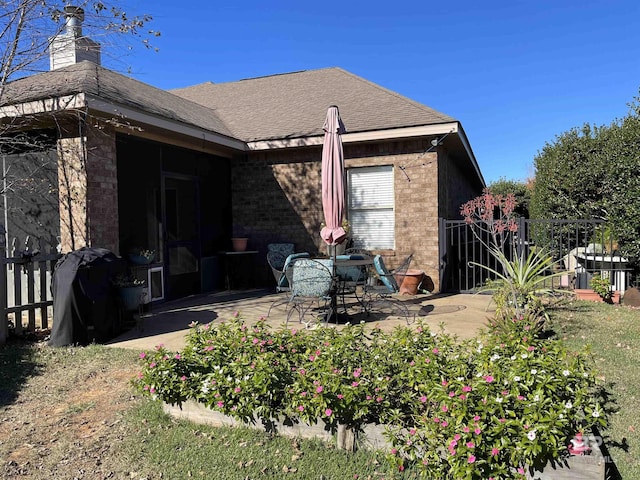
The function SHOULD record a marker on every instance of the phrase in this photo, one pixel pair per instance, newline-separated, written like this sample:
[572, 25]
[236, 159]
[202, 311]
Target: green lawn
[182, 449]
[612, 336]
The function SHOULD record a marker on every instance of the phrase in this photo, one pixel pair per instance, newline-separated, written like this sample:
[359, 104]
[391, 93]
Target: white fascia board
[377, 135]
[109, 108]
[467, 146]
[46, 105]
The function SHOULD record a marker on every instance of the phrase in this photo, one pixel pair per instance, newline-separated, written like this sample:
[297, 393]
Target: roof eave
[45, 105]
[374, 135]
[111, 109]
[467, 146]
[83, 101]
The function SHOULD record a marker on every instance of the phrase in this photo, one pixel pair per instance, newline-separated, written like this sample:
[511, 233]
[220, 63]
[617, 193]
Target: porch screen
[371, 207]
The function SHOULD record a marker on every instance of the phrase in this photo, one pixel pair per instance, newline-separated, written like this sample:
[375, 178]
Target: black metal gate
[588, 241]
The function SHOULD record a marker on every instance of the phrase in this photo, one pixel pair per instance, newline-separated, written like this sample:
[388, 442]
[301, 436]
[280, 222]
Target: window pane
[373, 229]
[371, 207]
[371, 187]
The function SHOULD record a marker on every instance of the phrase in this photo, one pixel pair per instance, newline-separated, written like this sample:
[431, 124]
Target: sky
[515, 73]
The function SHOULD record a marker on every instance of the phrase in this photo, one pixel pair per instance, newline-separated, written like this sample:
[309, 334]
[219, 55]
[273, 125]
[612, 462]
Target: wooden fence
[26, 301]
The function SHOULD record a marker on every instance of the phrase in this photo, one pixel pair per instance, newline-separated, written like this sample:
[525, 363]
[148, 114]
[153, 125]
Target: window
[371, 207]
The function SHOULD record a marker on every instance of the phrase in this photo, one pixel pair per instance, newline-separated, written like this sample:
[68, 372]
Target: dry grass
[61, 411]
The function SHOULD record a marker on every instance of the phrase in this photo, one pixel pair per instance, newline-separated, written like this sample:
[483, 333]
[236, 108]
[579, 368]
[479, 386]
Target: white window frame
[371, 209]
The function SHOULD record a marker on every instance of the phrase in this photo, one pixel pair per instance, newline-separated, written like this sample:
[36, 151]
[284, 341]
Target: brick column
[88, 184]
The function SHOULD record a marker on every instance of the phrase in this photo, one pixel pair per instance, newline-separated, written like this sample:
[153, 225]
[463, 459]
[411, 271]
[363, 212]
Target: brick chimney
[69, 46]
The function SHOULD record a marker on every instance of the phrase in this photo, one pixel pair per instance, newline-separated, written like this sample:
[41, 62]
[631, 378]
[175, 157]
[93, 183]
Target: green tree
[592, 172]
[520, 190]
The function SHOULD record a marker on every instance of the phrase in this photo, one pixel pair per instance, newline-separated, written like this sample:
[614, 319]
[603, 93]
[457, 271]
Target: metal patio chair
[312, 287]
[279, 264]
[381, 295]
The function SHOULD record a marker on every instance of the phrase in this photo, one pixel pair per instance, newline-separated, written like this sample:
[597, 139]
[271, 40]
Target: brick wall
[87, 179]
[277, 197]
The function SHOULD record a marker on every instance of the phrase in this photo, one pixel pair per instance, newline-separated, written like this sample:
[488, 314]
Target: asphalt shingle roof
[87, 77]
[294, 105]
[289, 105]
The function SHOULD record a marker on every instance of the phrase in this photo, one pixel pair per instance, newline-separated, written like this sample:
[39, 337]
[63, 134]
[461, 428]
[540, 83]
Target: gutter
[405, 132]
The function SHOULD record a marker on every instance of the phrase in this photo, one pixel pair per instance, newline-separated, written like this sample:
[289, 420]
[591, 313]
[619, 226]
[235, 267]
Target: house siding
[276, 197]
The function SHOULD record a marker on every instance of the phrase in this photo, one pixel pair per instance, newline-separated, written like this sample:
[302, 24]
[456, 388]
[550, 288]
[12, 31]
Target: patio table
[358, 277]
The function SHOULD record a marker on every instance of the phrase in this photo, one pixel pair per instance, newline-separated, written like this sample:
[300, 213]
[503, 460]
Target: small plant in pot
[602, 286]
[130, 290]
[141, 256]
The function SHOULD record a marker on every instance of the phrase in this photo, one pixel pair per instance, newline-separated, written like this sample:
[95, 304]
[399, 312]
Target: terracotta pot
[239, 244]
[411, 282]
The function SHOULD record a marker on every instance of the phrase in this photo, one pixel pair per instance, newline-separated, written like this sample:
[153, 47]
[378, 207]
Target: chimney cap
[72, 11]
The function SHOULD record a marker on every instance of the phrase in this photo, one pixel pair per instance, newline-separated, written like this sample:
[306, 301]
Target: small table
[241, 262]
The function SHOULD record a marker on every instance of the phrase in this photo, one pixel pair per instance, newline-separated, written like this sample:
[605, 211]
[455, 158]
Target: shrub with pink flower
[486, 408]
[488, 432]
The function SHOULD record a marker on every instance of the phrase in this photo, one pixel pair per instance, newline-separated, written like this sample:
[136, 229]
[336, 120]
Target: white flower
[596, 413]
[516, 378]
[460, 379]
[561, 416]
[568, 405]
[585, 374]
[533, 371]
[536, 398]
[499, 399]
[531, 435]
[495, 357]
[513, 357]
[523, 356]
[566, 373]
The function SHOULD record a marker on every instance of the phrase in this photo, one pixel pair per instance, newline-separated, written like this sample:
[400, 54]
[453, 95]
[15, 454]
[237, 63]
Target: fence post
[4, 320]
[442, 244]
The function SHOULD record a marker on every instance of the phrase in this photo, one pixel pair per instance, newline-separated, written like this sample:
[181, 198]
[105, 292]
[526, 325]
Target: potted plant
[141, 256]
[239, 238]
[602, 286]
[131, 291]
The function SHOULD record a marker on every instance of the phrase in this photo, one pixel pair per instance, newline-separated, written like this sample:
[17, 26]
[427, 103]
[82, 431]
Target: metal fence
[26, 302]
[581, 248]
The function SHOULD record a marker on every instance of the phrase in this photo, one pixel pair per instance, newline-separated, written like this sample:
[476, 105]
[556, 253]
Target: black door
[181, 234]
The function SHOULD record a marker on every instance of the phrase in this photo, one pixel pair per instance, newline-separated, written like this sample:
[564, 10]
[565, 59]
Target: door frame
[165, 244]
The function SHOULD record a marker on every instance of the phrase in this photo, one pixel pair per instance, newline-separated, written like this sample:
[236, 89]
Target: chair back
[310, 278]
[279, 265]
[352, 274]
[389, 278]
[284, 249]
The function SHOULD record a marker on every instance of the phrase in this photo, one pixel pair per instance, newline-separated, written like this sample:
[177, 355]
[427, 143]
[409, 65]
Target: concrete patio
[168, 323]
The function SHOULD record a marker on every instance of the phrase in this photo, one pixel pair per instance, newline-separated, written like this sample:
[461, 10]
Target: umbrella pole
[334, 296]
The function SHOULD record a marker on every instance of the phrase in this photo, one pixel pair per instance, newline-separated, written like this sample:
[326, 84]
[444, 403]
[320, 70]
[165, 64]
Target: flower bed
[480, 409]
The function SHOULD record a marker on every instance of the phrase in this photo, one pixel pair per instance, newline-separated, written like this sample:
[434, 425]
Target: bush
[478, 409]
[504, 403]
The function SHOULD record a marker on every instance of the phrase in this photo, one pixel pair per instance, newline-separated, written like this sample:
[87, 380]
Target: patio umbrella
[333, 179]
[333, 187]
